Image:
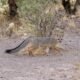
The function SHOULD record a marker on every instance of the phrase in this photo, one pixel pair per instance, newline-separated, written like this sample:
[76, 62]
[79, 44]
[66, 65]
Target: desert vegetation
[38, 17]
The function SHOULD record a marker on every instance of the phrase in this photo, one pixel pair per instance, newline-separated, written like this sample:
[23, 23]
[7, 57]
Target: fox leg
[24, 51]
[31, 48]
[40, 51]
[56, 49]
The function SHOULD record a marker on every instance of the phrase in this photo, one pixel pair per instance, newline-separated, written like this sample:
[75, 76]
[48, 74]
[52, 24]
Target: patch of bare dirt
[61, 67]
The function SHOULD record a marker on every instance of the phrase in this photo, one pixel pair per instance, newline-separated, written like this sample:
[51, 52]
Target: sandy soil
[60, 67]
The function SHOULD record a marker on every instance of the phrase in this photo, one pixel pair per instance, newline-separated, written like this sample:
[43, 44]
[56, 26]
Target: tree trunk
[12, 7]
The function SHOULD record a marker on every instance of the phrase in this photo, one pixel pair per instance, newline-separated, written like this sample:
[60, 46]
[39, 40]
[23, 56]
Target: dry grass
[37, 18]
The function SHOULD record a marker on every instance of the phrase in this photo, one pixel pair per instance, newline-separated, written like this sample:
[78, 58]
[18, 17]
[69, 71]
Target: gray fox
[36, 46]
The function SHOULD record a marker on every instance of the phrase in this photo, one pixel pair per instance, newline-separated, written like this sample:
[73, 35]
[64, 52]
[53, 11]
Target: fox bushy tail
[19, 47]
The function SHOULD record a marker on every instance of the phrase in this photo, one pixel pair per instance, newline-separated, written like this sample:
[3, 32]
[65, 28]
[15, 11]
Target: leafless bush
[49, 22]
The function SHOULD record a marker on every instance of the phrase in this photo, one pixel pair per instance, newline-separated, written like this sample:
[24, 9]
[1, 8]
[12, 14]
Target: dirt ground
[55, 67]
